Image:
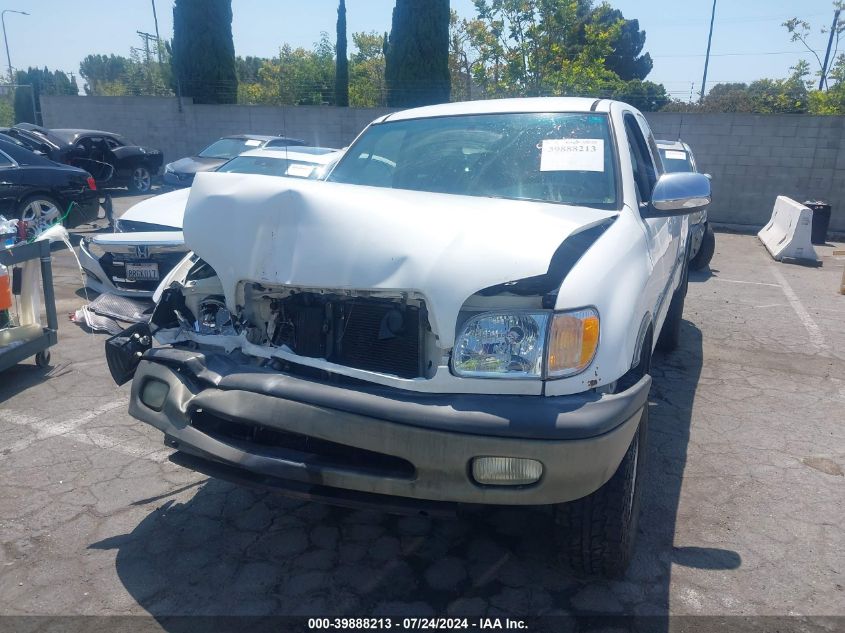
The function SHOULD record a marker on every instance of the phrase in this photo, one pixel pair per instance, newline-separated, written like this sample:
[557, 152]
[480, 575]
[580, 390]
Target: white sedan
[148, 241]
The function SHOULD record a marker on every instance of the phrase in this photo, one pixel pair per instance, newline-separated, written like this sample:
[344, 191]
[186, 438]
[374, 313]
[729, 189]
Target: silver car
[677, 157]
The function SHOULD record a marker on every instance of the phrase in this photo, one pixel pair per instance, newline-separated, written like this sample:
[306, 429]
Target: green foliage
[296, 77]
[102, 73]
[203, 50]
[43, 82]
[341, 89]
[625, 59]
[550, 48]
[417, 61]
[367, 88]
[7, 113]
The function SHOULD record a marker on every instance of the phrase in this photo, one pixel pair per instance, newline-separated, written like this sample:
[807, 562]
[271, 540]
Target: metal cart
[39, 343]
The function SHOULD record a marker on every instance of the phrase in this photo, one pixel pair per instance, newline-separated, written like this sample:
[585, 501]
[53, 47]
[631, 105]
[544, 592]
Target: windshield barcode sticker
[674, 154]
[572, 154]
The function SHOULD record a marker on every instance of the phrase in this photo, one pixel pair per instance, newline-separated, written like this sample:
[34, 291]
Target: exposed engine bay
[370, 330]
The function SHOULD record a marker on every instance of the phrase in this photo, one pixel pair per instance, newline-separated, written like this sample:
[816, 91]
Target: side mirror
[678, 194]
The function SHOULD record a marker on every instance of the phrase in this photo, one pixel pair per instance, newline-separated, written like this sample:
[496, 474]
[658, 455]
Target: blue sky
[748, 41]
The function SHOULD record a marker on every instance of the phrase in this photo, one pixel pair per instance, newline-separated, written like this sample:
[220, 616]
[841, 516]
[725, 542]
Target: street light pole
[707, 58]
[5, 39]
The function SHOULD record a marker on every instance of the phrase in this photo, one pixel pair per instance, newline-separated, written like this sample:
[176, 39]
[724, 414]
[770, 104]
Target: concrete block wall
[157, 122]
[752, 158]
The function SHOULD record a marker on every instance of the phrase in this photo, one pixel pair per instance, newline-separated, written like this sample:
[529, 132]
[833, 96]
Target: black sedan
[42, 192]
[181, 173]
[112, 159]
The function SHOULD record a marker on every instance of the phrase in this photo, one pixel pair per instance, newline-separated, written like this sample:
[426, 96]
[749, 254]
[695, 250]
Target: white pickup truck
[463, 313]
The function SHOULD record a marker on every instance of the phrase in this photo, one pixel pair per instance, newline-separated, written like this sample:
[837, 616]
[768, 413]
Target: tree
[203, 50]
[800, 31]
[366, 71]
[296, 77]
[625, 59]
[417, 64]
[102, 73]
[341, 79]
[43, 82]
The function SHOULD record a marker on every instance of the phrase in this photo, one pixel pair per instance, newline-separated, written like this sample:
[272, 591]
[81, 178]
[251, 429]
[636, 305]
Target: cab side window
[645, 171]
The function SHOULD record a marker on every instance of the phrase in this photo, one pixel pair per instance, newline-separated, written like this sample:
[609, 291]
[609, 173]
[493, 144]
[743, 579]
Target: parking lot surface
[742, 514]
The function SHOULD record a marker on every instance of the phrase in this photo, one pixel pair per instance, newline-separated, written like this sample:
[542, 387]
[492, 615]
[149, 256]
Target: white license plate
[142, 272]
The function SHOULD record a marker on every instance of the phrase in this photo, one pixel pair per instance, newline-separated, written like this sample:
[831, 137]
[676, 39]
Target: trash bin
[821, 221]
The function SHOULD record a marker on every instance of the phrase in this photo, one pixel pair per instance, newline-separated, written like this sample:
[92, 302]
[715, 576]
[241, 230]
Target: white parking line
[69, 429]
[737, 281]
[816, 337]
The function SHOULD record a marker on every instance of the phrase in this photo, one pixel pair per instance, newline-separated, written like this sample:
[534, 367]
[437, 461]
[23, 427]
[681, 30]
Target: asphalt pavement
[742, 514]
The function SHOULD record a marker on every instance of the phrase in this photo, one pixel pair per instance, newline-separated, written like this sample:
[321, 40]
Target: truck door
[662, 244]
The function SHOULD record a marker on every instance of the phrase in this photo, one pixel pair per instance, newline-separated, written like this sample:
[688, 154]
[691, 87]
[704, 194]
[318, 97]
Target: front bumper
[173, 179]
[105, 275]
[384, 442]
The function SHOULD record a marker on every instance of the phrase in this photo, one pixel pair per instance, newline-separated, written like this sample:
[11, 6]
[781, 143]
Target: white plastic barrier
[787, 235]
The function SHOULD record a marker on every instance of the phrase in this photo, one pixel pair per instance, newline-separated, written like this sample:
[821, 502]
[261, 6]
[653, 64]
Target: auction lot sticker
[572, 154]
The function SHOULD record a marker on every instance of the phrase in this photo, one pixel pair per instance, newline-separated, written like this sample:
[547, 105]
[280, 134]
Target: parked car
[110, 158]
[181, 173]
[148, 240]
[464, 312]
[678, 158]
[41, 192]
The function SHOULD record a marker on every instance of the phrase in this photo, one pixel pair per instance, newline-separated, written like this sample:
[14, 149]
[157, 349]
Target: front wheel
[596, 533]
[705, 251]
[141, 181]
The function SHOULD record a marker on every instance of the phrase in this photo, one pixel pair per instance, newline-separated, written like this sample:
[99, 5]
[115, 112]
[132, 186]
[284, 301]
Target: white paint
[572, 154]
[70, 429]
[45, 429]
[816, 337]
[787, 235]
[738, 281]
[333, 236]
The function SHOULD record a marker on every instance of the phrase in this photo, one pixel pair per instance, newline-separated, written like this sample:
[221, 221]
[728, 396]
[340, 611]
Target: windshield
[552, 157]
[268, 166]
[229, 147]
[676, 160]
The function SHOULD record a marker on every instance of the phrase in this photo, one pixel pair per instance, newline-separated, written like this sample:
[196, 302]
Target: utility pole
[147, 37]
[823, 80]
[5, 39]
[158, 39]
[707, 57]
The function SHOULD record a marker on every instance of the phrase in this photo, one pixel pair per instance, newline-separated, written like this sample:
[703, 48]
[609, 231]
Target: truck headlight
[527, 344]
[502, 345]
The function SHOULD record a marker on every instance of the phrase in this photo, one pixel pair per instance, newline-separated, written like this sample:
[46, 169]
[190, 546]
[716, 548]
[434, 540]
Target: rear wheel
[141, 180]
[39, 212]
[705, 251]
[596, 533]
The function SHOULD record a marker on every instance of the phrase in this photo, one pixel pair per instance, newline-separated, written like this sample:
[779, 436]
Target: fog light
[154, 393]
[506, 471]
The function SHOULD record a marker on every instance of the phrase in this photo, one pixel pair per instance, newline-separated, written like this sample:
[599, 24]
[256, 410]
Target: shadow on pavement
[230, 550]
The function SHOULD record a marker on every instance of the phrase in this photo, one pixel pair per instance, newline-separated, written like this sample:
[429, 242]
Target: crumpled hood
[328, 235]
[165, 209]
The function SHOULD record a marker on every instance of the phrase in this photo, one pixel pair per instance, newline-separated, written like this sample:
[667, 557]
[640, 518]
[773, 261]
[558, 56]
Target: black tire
[42, 359]
[705, 251]
[596, 534]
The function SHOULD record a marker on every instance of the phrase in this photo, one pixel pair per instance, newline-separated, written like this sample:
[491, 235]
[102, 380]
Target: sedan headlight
[168, 169]
[530, 344]
[96, 251]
